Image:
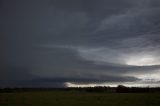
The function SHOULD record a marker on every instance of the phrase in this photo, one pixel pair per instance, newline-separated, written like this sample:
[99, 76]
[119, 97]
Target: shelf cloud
[51, 43]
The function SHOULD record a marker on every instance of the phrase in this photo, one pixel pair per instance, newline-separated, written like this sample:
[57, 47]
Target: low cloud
[84, 41]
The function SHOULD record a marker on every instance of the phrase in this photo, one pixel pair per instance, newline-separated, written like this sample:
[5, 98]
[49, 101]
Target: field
[71, 98]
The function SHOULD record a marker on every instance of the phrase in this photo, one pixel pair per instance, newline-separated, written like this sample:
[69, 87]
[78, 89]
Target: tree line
[118, 89]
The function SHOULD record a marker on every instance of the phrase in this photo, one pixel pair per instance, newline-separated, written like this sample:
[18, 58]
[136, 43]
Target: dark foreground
[76, 98]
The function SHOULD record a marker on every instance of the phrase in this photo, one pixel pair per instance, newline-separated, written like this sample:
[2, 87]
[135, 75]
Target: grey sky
[46, 43]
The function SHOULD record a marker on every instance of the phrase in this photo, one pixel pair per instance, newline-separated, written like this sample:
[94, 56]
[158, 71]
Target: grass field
[53, 98]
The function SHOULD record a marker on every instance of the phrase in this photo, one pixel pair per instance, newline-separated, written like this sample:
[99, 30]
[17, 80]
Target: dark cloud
[50, 42]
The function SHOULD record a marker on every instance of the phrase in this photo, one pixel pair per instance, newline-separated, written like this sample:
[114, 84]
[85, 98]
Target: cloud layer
[51, 42]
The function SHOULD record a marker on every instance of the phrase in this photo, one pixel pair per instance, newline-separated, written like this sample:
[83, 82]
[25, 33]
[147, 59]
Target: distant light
[115, 84]
[142, 60]
[154, 77]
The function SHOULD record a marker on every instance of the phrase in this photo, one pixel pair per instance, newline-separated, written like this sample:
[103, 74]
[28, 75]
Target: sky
[67, 43]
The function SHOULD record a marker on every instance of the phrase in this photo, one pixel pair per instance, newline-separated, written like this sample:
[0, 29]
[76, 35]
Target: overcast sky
[57, 43]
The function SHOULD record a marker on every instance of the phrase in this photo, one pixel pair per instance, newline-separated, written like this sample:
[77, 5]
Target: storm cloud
[48, 43]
